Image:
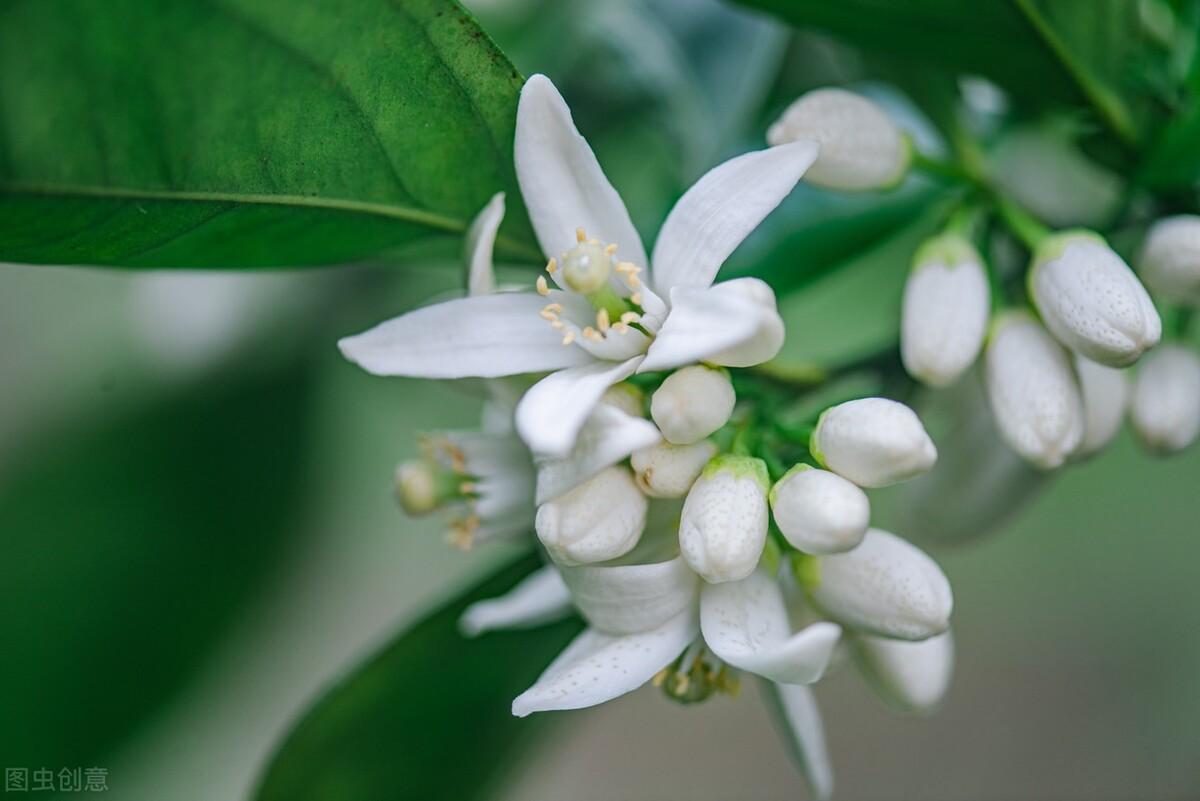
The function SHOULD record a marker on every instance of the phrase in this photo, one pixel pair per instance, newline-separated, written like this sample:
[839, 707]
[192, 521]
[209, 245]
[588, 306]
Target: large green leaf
[429, 717]
[127, 546]
[219, 133]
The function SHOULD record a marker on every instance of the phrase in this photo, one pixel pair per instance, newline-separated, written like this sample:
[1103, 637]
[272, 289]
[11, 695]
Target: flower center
[586, 266]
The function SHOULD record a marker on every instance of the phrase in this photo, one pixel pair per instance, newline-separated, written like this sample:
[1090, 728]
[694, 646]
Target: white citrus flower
[1165, 409]
[668, 471]
[723, 527]
[1033, 392]
[873, 442]
[601, 519]
[1170, 259]
[1105, 393]
[692, 403]
[611, 310]
[945, 313]
[861, 147]
[912, 677]
[819, 512]
[885, 586]
[1090, 300]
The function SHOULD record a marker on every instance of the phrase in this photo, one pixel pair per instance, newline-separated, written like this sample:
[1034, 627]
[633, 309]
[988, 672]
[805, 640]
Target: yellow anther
[552, 307]
[636, 298]
[462, 532]
[568, 338]
[580, 235]
[592, 334]
[660, 677]
[633, 281]
[467, 488]
[611, 249]
[627, 267]
[552, 265]
[556, 325]
[546, 314]
[629, 317]
[620, 328]
[542, 287]
[602, 320]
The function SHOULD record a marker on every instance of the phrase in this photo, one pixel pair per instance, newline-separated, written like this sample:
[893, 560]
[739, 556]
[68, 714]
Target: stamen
[611, 249]
[468, 488]
[580, 235]
[556, 325]
[602, 320]
[636, 298]
[543, 288]
[592, 334]
[568, 338]
[630, 317]
[462, 532]
[552, 265]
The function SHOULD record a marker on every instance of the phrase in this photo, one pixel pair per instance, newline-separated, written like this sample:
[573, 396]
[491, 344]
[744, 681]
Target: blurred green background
[197, 532]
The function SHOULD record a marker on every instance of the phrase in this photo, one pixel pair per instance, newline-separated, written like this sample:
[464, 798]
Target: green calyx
[796, 468]
[807, 570]
[950, 249]
[740, 467]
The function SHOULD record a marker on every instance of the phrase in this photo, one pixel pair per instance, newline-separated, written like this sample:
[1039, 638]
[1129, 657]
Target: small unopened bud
[861, 148]
[723, 526]
[1091, 301]
[873, 442]
[946, 305]
[911, 677]
[417, 487]
[626, 397]
[1165, 409]
[1105, 392]
[885, 586]
[668, 471]
[601, 519]
[692, 403]
[1032, 391]
[819, 512]
[769, 335]
[1170, 260]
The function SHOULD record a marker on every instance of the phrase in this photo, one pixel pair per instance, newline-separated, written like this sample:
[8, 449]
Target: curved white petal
[561, 181]
[478, 245]
[598, 667]
[541, 597]
[551, 413]
[700, 324]
[764, 344]
[485, 337]
[627, 599]
[608, 436]
[745, 623]
[911, 677]
[721, 209]
[798, 708]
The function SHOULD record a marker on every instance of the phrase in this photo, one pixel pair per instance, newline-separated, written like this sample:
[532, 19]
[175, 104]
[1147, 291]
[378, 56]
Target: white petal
[551, 413]
[561, 181]
[721, 209]
[601, 519]
[484, 336]
[598, 667]
[1105, 392]
[745, 623]
[627, 599]
[1165, 408]
[700, 324]
[798, 706]
[912, 677]
[609, 436]
[478, 244]
[541, 597]
[766, 341]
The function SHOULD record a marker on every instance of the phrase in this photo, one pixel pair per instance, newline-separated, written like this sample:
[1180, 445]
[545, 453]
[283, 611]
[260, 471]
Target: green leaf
[429, 717]
[221, 133]
[128, 547]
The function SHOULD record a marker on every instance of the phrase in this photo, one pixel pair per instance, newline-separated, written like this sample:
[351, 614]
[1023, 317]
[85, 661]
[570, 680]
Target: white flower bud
[1091, 301]
[692, 403]
[1032, 391]
[599, 520]
[1170, 259]
[861, 147]
[417, 487]
[912, 677]
[769, 335]
[819, 512]
[873, 442]
[945, 314]
[626, 397]
[668, 471]
[1105, 392]
[1166, 399]
[885, 586]
[723, 526]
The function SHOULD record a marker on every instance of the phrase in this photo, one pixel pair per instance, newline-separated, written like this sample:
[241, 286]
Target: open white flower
[601, 321]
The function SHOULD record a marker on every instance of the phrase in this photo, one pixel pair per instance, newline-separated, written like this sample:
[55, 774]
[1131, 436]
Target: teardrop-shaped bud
[723, 526]
[668, 471]
[873, 442]
[819, 512]
[692, 403]
[1032, 391]
[1165, 409]
[885, 586]
[1170, 259]
[599, 520]
[945, 314]
[1090, 300]
[911, 677]
[1105, 392]
[861, 147]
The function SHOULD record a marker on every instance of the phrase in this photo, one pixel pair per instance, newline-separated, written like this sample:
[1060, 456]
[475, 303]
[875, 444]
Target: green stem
[1027, 228]
[940, 168]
